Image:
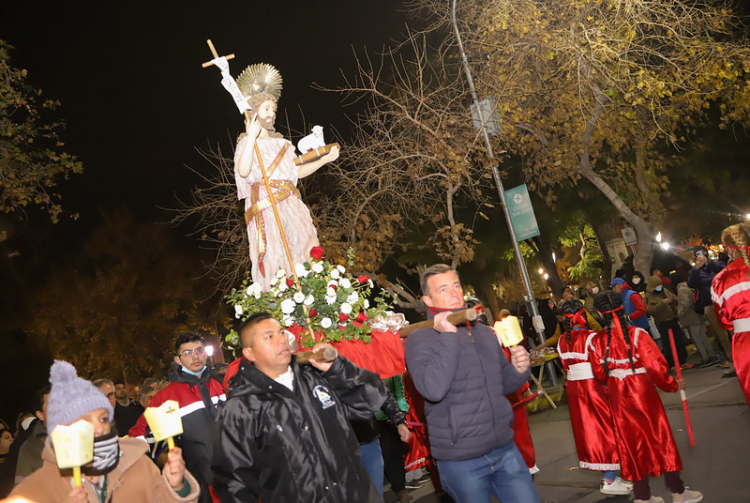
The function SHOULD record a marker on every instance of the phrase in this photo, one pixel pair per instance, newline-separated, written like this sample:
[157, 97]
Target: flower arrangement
[329, 301]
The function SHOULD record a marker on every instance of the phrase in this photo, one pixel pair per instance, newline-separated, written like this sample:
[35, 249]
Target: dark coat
[367, 430]
[295, 446]
[700, 279]
[463, 378]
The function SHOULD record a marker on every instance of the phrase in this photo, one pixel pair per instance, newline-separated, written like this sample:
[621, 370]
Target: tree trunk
[644, 250]
[644, 253]
[544, 253]
[489, 299]
[606, 278]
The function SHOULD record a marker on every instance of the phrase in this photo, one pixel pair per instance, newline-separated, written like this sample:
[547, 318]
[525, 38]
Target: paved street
[717, 465]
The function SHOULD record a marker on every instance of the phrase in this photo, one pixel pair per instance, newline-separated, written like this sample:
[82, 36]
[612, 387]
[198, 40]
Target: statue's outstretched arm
[311, 167]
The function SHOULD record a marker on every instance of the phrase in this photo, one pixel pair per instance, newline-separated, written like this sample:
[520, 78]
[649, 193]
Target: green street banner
[521, 212]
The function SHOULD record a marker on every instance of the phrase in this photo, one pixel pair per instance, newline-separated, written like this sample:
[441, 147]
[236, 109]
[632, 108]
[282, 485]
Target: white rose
[317, 267]
[283, 286]
[280, 273]
[345, 283]
[326, 323]
[299, 297]
[255, 290]
[237, 310]
[330, 300]
[330, 292]
[300, 270]
[309, 300]
[287, 306]
[369, 282]
[346, 308]
[289, 321]
[335, 274]
[352, 298]
[367, 304]
[341, 269]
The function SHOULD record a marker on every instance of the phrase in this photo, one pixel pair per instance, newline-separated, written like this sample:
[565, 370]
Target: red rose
[334, 286]
[362, 279]
[317, 252]
[362, 317]
[313, 313]
[343, 317]
[289, 282]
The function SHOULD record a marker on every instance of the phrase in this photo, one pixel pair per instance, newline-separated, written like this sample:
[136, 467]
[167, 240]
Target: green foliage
[589, 265]
[327, 300]
[31, 156]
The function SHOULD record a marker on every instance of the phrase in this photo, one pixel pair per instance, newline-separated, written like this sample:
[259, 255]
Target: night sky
[137, 102]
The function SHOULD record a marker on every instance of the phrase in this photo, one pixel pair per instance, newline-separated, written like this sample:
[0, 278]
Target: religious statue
[259, 148]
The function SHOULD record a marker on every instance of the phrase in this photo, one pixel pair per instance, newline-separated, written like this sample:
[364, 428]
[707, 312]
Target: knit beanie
[71, 397]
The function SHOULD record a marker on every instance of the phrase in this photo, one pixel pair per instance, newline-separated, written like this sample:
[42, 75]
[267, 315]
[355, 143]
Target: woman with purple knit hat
[120, 470]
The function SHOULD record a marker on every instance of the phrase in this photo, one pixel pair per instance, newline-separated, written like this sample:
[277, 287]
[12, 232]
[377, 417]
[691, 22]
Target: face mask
[595, 290]
[106, 454]
[658, 288]
[196, 374]
[636, 280]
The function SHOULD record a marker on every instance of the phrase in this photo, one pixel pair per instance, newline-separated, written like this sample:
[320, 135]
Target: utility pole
[529, 298]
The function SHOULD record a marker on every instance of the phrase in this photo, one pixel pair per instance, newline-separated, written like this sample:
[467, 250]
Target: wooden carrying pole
[327, 354]
[456, 318]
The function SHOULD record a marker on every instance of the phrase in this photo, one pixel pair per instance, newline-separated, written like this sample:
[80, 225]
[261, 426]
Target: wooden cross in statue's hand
[226, 78]
[215, 54]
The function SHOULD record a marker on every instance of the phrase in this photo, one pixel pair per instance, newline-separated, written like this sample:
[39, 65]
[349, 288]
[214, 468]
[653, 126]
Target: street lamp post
[529, 297]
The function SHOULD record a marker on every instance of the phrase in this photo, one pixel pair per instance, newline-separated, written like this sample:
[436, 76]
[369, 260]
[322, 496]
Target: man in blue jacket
[463, 375]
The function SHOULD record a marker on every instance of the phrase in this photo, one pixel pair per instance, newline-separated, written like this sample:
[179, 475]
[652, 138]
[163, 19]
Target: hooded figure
[661, 304]
[637, 282]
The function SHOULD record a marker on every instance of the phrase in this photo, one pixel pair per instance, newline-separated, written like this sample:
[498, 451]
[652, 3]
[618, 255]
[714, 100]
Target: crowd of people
[276, 429]
[680, 302]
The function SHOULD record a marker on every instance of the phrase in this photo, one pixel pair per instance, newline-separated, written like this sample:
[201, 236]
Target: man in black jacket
[283, 434]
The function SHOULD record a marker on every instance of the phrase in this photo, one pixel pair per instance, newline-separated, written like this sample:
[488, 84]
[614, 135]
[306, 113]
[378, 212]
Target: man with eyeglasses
[107, 387]
[125, 417]
[196, 388]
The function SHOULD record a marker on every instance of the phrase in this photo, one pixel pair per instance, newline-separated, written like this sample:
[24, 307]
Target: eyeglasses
[189, 352]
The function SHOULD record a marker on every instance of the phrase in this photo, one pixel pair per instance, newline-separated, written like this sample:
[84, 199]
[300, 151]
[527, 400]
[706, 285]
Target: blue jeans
[502, 473]
[372, 457]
